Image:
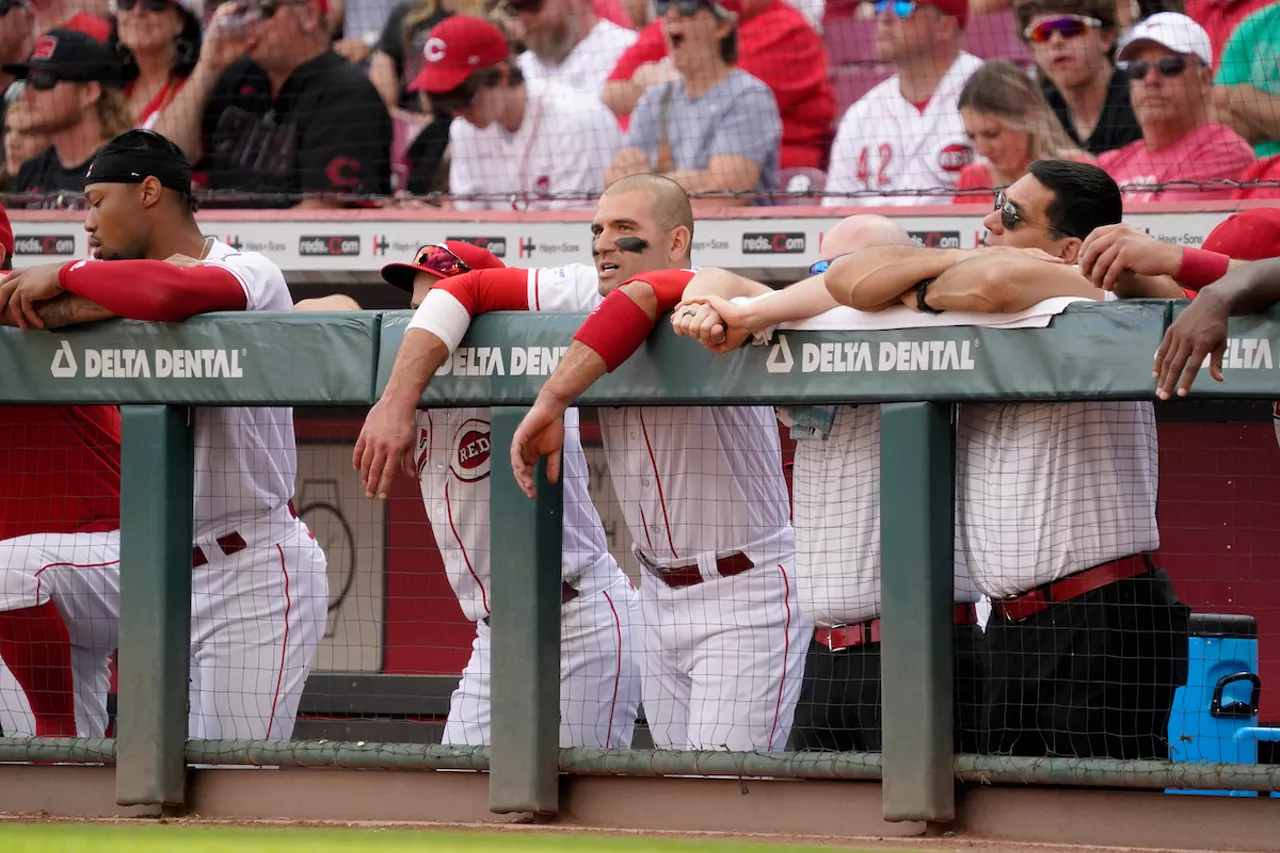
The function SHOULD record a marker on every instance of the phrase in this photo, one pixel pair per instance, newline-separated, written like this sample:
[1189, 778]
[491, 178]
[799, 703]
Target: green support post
[525, 621]
[156, 487]
[917, 530]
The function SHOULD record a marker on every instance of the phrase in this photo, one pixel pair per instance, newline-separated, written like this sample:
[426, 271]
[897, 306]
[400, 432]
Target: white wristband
[444, 316]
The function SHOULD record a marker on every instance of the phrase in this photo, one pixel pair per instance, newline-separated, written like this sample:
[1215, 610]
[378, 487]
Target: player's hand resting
[385, 445]
[1199, 331]
[1114, 250]
[22, 290]
[716, 323]
[541, 433]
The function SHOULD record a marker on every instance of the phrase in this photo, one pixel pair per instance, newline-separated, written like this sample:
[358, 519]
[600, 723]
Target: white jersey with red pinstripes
[695, 482]
[452, 456]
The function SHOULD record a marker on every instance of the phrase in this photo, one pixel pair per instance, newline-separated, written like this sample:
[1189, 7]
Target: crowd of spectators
[540, 104]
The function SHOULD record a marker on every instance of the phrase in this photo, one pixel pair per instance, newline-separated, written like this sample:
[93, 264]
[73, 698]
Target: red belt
[232, 543]
[863, 633]
[1074, 586]
[682, 576]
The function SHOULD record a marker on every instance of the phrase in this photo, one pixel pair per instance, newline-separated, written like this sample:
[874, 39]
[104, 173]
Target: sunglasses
[1067, 26]
[819, 267]
[1010, 216]
[149, 5]
[6, 6]
[42, 80]
[439, 260]
[686, 8]
[530, 7]
[902, 9]
[1168, 66]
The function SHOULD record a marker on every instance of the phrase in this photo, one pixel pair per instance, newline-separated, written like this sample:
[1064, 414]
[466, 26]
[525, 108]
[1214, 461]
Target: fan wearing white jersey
[836, 510]
[449, 452]
[1056, 502]
[259, 590]
[905, 135]
[701, 488]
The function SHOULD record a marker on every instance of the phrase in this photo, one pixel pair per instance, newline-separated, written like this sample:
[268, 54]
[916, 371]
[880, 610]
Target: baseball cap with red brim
[443, 260]
[458, 46]
[1250, 235]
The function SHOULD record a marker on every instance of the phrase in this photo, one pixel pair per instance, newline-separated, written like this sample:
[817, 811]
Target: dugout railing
[1090, 352]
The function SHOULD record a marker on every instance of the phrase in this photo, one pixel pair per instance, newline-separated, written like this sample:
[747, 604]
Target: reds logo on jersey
[955, 157]
[470, 458]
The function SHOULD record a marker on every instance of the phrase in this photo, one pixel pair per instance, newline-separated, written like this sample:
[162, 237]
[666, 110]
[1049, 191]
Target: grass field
[153, 838]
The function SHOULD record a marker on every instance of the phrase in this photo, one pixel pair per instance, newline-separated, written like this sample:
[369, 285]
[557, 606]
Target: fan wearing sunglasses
[158, 42]
[567, 42]
[1071, 41]
[72, 96]
[271, 111]
[716, 129]
[1088, 592]
[1184, 154]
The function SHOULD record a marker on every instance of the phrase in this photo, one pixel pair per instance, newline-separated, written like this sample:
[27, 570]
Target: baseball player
[59, 533]
[701, 489]
[1056, 501]
[259, 590]
[448, 450]
[836, 511]
[905, 135]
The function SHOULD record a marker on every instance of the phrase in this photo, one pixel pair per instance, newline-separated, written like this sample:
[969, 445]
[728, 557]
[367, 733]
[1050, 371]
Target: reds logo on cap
[433, 50]
[471, 446]
[45, 47]
[955, 157]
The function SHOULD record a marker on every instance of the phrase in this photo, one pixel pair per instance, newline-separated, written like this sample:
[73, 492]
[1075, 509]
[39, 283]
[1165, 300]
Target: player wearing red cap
[525, 145]
[449, 452]
[59, 528]
[906, 135]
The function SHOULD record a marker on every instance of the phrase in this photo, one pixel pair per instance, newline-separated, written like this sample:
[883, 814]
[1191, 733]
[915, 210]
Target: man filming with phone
[270, 110]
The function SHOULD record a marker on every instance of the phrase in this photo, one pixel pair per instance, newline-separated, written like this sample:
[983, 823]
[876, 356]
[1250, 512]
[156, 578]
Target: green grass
[154, 838]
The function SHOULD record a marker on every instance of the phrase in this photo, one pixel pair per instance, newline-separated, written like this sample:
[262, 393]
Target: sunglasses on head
[1067, 26]
[440, 260]
[1167, 66]
[902, 9]
[149, 5]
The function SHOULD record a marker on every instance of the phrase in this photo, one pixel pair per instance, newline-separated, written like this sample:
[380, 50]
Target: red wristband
[1200, 268]
[616, 329]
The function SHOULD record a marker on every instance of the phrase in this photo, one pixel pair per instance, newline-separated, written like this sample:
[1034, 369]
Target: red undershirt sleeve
[154, 290]
[618, 327]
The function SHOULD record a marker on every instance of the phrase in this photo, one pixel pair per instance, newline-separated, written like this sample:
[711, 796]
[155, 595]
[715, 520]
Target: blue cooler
[1215, 716]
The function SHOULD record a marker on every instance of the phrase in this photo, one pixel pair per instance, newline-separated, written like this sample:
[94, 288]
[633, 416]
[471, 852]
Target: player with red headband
[449, 452]
[701, 487]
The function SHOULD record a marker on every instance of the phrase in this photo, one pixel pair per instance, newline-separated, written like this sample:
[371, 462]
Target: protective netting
[541, 104]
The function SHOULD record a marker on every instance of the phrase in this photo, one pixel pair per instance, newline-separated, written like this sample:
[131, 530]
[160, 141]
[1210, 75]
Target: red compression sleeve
[489, 290]
[154, 290]
[616, 329]
[1200, 268]
[668, 286]
[34, 644]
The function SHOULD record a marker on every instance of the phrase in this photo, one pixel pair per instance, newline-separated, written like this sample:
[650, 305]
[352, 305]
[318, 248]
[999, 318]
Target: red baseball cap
[958, 9]
[439, 259]
[457, 46]
[6, 234]
[1250, 235]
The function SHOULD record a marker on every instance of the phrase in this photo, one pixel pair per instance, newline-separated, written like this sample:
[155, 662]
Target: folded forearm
[877, 276]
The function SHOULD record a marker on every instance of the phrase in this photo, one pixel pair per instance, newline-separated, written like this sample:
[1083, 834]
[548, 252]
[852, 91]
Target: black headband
[133, 167]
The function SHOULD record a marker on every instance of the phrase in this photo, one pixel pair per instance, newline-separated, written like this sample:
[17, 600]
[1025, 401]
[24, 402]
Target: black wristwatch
[921, 291]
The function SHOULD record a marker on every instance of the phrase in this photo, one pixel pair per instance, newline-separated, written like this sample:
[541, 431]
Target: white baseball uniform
[599, 672]
[556, 160]
[588, 65]
[886, 143]
[723, 656]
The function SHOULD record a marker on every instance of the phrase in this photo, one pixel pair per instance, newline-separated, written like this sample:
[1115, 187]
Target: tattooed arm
[65, 310]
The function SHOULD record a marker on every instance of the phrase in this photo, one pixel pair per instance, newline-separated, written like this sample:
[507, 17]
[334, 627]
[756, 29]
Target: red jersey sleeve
[650, 47]
[668, 286]
[154, 290]
[489, 290]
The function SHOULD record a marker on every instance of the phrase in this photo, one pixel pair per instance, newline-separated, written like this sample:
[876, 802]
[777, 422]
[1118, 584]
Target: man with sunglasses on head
[274, 118]
[1056, 502]
[448, 451]
[73, 95]
[835, 508]
[1169, 63]
[1071, 41]
[566, 41]
[905, 136]
[533, 145]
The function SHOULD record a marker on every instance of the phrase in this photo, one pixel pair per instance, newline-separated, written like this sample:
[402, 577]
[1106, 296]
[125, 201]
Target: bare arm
[621, 96]
[65, 310]
[876, 277]
[382, 74]
[1004, 284]
[1250, 112]
[628, 161]
[724, 173]
[711, 281]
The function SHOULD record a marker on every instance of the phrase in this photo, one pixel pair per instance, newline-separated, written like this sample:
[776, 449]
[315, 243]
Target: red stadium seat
[851, 82]
[995, 36]
[403, 132]
[848, 39]
[1267, 170]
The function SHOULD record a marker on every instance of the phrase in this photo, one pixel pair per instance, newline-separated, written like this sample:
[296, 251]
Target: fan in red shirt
[777, 45]
[59, 518]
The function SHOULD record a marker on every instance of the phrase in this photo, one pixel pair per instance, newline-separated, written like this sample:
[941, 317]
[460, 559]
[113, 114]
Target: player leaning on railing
[259, 589]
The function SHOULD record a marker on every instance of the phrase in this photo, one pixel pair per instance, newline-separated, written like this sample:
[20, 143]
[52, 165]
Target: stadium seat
[403, 131]
[851, 82]
[848, 39]
[994, 36]
[800, 179]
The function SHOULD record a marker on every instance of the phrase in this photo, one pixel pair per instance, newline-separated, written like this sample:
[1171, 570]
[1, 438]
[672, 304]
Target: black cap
[72, 56]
